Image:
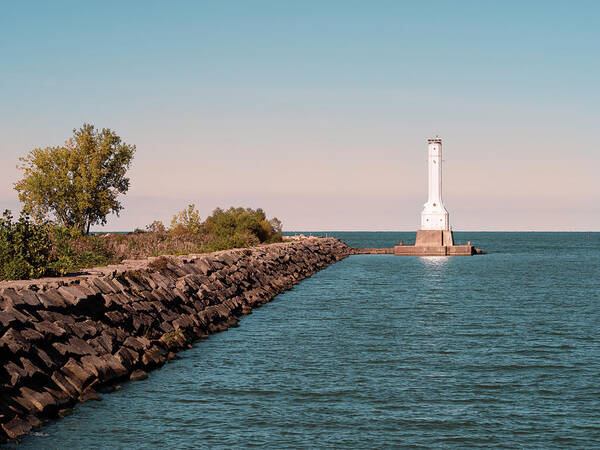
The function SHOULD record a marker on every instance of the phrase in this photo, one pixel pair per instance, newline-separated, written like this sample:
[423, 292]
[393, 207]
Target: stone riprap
[62, 339]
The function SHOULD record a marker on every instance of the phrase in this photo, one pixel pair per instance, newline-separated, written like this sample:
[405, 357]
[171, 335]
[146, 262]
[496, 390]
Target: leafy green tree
[187, 221]
[78, 183]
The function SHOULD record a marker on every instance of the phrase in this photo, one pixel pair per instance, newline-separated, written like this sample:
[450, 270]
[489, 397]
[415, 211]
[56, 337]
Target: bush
[30, 250]
[187, 222]
[24, 247]
[239, 227]
[156, 227]
[72, 251]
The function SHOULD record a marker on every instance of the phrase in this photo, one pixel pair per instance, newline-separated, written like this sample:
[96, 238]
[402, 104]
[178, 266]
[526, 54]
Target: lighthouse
[434, 215]
[434, 238]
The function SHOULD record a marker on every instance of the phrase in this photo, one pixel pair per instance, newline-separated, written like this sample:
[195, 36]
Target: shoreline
[64, 339]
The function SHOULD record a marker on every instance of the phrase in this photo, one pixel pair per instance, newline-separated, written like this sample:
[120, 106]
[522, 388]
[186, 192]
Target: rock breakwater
[63, 340]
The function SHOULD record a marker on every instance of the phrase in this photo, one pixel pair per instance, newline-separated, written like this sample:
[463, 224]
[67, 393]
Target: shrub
[72, 251]
[156, 227]
[29, 250]
[17, 269]
[187, 221]
[24, 247]
[239, 227]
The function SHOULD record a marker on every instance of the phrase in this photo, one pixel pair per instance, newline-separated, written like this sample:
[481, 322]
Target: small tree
[187, 221]
[156, 227]
[78, 183]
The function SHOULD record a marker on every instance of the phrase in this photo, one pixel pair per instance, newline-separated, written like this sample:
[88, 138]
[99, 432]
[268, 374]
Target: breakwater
[64, 339]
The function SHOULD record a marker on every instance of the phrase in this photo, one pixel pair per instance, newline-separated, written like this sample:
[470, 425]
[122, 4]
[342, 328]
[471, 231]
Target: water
[497, 350]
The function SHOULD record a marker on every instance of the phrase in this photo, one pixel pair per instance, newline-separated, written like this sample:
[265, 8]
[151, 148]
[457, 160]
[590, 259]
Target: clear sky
[319, 111]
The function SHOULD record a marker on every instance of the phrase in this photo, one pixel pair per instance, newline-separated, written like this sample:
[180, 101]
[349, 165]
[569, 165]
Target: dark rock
[98, 367]
[102, 285]
[119, 283]
[13, 342]
[90, 287]
[73, 294]
[11, 298]
[115, 317]
[16, 428]
[49, 329]
[135, 344]
[64, 385]
[154, 357]
[204, 266]
[138, 375]
[166, 327]
[10, 317]
[32, 336]
[104, 341]
[128, 357]
[115, 365]
[51, 299]
[34, 421]
[85, 330]
[29, 297]
[77, 375]
[65, 320]
[31, 371]
[41, 402]
[16, 373]
[81, 347]
[142, 322]
[61, 398]
[65, 412]
[88, 395]
[48, 363]
[118, 333]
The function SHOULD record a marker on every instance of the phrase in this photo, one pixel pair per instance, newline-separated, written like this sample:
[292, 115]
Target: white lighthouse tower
[434, 215]
[435, 238]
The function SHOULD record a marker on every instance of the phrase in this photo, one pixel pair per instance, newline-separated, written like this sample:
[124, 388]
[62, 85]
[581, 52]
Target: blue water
[499, 350]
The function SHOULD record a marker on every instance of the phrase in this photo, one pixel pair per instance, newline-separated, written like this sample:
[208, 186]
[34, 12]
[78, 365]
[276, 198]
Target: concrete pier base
[428, 243]
[454, 250]
[434, 243]
[434, 238]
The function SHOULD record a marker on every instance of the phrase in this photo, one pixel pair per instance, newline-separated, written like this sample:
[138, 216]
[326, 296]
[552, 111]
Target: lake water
[498, 350]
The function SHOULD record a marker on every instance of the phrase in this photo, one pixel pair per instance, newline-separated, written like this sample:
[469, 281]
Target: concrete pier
[427, 243]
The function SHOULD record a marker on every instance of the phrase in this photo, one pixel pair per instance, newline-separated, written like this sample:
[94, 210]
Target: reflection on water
[435, 261]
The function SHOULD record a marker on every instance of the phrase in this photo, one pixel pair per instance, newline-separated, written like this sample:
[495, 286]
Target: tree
[187, 221]
[79, 182]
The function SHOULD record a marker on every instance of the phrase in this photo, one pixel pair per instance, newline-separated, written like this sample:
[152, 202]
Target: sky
[318, 111]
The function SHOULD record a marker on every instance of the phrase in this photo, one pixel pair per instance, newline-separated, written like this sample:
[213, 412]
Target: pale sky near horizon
[318, 111]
